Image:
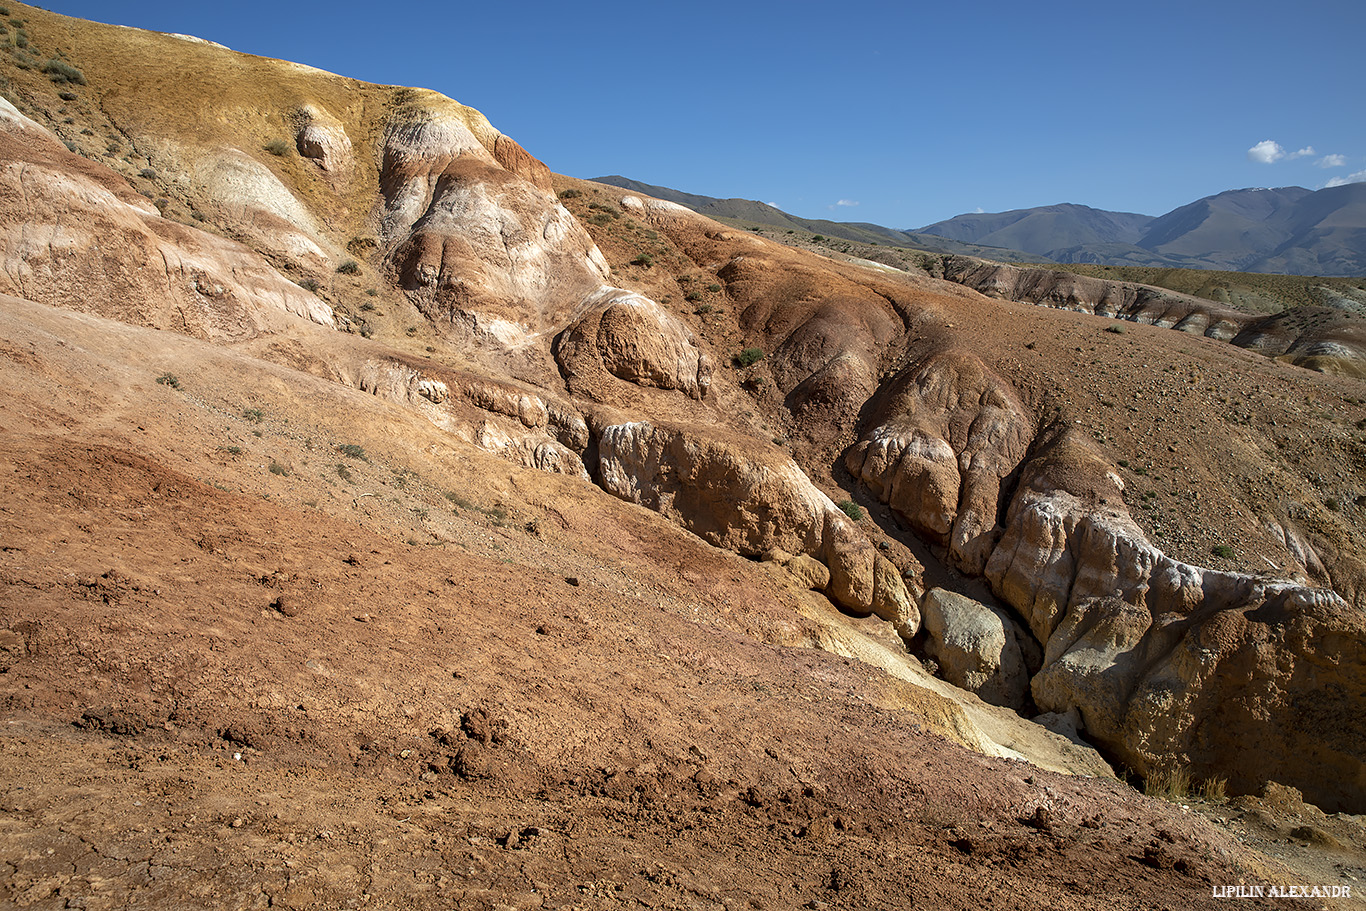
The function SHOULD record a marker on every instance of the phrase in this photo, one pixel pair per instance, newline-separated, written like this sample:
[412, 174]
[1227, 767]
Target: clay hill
[386, 521]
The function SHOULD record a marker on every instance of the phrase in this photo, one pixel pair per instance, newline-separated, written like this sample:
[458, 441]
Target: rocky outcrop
[737, 494]
[1172, 663]
[72, 232]
[631, 338]
[322, 139]
[978, 648]
[514, 423]
[946, 433]
[1316, 338]
[477, 248]
[245, 197]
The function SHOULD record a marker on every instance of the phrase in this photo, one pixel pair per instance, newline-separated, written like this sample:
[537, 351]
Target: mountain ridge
[1283, 230]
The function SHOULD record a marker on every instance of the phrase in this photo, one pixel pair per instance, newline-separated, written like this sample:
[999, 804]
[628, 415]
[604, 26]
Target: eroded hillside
[341, 435]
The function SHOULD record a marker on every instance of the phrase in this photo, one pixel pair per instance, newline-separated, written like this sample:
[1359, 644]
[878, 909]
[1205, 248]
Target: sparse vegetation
[352, 451]
[1115, 328]
[851, 509]
[231, 450]
[169, 379]
[749, 357]
[571, 193]
[1212, 789]
[61, 72]
[1169, 784]
[714, 288]
[149, 173]
[1222, 551]
[693, 296]
[277, 468]
[350, 267]
[308, 284]
[343, 472]
[644, 260]
[255, 415]
[277, 147]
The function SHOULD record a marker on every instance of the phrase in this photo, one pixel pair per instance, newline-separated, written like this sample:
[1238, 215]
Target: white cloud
[980, 211]
[843, 203]
[1332, 161]
[1269, 152]
[773, 204]
[1358, 177]
[1266, 152]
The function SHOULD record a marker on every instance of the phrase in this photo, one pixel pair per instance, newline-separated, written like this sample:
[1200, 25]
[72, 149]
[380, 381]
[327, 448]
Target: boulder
[979, 648]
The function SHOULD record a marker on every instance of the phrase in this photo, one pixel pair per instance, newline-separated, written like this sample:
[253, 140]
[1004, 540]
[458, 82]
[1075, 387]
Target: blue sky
[900, 114]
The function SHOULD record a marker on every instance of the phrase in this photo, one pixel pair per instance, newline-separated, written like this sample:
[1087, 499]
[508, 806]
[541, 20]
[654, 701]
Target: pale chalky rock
[977, 647]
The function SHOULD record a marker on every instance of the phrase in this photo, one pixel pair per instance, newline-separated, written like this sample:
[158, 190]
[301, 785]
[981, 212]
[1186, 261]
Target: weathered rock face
[736, 494]
[74, 233]
[633, 339]
[945, 435]
[322, 139]
[978, 648]
[1172, 663]
[498, 417]
[478, 248]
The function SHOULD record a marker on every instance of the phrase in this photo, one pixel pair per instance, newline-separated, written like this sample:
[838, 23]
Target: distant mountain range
[753, 213]
[1287, 230]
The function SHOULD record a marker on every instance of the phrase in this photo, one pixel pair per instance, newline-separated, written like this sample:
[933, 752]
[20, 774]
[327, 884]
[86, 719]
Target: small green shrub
[367, 306]
[231, 450]
[714, 288]
[343, 472]
[1222, 551]
[277, 468]
[149, 173]
[308, 284]
[693, 296]
[1332, 503]
[61, 72]
[255, 415]
[749, 357]
[851, 509]
[1123, 463]
[352, 451]
[277, 147]
[350, 267]
[704, 309]
[644, 260]
[1116, 329]
[818, 238]
[571, 193]
[372, 292]
[169, 379]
